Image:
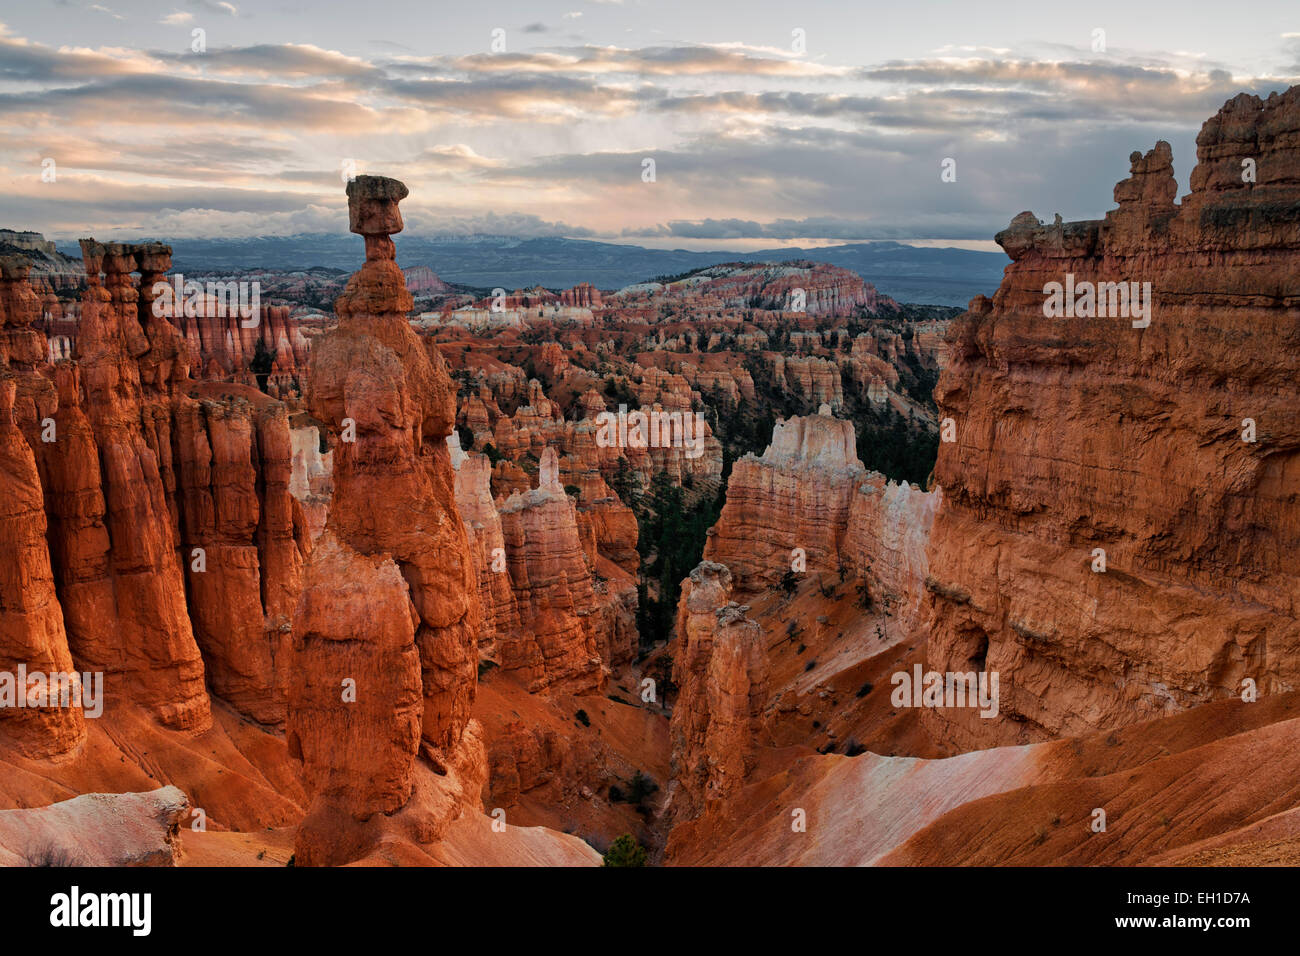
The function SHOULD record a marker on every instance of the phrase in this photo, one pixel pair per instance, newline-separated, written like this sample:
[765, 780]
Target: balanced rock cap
[372, 205]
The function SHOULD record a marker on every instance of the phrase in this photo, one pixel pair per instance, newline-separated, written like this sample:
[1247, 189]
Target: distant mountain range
[907, 273]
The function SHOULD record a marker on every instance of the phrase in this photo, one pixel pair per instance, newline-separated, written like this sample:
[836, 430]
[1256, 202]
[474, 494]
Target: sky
[768, 124]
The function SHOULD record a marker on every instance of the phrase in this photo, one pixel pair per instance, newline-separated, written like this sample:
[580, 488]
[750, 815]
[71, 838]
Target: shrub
[625, 851]
[466, 437]
[641, 787]
[50, 855]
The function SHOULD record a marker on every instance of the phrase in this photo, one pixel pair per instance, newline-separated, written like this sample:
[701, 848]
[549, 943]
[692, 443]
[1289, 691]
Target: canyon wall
[152, 522]
[165, 519]
[1167, 446]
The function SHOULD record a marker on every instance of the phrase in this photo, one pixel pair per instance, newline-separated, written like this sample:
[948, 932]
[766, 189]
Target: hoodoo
[384, 664]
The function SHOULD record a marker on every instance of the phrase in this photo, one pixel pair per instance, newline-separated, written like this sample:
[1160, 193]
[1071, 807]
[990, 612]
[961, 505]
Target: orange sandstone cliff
[1169, 449]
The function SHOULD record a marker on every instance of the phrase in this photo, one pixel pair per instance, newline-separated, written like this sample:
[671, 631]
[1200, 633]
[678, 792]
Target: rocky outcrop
[583, 295]
[311, 479]
[32, 635]
[809, 507]
[791, 506]
[111, 480]
[1165, 444]
[170, 533]
[96, 829]
[356, 701]
[51, 269]
[245, 538]
[421, 280]
[384, 636]
[487, 547]
[800, 286]
[555, 645]
[720, 668]
[695, 461]
[556, 576]
[268, 349]
[613, 524]
[885, 544]
[816, 379]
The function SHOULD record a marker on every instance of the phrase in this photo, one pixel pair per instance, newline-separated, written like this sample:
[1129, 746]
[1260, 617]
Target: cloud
[190, 102]
[674, 61]
[751, 143]
[284, 60]
[526, 226]
[216, 6]
[554, 98]
[177, 18]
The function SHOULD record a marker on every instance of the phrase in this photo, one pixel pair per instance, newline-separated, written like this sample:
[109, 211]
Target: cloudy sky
[768, 123]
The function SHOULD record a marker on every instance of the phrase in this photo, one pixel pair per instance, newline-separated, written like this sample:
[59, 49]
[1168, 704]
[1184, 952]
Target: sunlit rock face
[1169, 441]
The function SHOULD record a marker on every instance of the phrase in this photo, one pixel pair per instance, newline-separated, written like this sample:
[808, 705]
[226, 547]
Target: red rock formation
[356, 704]
[552, 362]
[236, 507]
[885, 543]
[227, 345]
[555, 646]
[421, 280]
[311, 480]
[720, 668]
[826, 290]
[582, 295]
[1080, 434]
[816, 379]
[798, 495]
[808, 506]
[487, 547]
[391, 598]
[50, 269]
[140, 476]
[111, 481]
[614, 526]
[32, 635]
